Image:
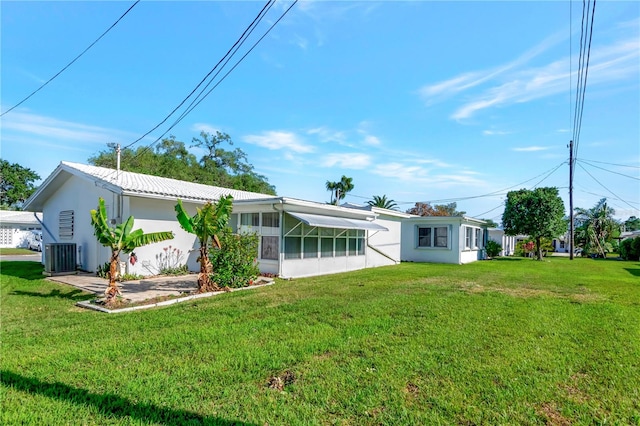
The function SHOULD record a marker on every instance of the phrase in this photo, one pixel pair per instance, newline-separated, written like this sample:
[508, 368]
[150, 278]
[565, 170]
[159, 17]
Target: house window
[310, 247]
[468, 237]
[269, 248]
[233, 223]
[424, 237]
[250, 219]
[292, 247]
[271, 220]
[442, 236]
[65, 225]
[478, 241]
[433, 237]
[326, 247]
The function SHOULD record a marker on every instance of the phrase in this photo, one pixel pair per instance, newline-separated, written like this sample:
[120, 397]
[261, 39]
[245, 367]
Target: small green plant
[103, 271]
[170, 262]
[234, 263]
[493, 248]
[130, 277]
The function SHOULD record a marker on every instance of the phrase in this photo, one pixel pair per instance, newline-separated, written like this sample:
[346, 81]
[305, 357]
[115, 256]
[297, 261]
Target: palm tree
[339, 189]
[383, 203]
[331, 186]
[208, 221]
[120, 239]
[596, 227]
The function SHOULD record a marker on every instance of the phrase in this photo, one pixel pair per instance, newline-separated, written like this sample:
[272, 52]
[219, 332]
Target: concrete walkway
[135, 291]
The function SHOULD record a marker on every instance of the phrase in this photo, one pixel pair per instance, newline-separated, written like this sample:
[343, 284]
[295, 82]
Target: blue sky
[419, 101]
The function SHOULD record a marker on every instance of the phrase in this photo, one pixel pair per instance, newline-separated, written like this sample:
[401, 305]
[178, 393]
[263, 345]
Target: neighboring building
[16, 227]
[561, 244]
[443, 239]
[297, 238]
[508, 242]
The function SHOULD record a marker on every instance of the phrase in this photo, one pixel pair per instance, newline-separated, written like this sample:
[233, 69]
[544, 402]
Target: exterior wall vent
[59, 258]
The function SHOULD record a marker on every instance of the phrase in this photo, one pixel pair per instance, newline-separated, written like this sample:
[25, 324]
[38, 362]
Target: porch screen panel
[292, 247]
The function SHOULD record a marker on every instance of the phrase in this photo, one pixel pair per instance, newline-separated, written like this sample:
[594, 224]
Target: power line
[238, 43]
[607, 170]
[610, 191]
[186, 112]
[610, 164]
[70, 63]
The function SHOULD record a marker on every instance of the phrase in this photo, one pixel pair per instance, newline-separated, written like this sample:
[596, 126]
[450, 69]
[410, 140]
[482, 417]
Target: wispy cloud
[530, 149]
[495, 132]
[324, 134]
[468, 80]
[275, 140]
[204, 127]
[512, 83]
[54, 130]
[420, 175]
[347, 160]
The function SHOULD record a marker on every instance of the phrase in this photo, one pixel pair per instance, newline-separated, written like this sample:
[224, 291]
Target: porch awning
[336, 222]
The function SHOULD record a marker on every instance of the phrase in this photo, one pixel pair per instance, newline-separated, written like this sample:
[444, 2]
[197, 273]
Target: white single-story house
[297, 238]
[16, 227]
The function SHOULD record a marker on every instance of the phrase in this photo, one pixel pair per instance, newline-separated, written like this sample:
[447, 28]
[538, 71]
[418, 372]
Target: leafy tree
[538, 213]
[120, 239]
[171, 158]
[383, 203]
[596, 228]
[490, 223]
[16, 184]
[425, 209]
[206, 224]
[339, 189]
[632, 224]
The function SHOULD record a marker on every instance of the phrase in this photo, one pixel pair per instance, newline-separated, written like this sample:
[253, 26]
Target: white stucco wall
[387, 243]
[80, 196]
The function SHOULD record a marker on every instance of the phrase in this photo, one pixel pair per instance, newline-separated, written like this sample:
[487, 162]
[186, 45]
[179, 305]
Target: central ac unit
[59, 258]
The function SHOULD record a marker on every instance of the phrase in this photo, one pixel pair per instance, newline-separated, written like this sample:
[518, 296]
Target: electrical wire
[70, 63]
[238, 43]
[608, 190]
[607, 170]
[610, 164]
[184, 114]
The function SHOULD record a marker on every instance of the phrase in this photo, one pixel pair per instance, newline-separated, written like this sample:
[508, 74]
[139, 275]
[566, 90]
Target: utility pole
[571, 230]
[118, 158]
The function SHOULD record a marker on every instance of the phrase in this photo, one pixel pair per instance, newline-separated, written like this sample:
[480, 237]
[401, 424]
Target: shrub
[493, 248]
[630, 249]
[234, 265]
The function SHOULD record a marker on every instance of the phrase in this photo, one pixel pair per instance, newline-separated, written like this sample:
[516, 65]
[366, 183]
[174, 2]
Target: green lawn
[9, 251]
[510, 341]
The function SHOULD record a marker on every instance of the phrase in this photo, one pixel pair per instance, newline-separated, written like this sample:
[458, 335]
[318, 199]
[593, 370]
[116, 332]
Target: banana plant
[208, 221]
[120, 239]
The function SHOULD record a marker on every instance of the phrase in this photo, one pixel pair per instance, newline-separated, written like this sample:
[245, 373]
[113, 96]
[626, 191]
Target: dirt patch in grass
[553, 415]
[412, 389]
[281, 381]
[572, 388]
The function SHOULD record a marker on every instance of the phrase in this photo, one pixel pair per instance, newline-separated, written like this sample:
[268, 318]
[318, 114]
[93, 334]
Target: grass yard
[510, 341]
[9, 251]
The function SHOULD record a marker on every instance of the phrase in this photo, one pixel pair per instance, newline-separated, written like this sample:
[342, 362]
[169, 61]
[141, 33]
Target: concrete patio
[135, 291]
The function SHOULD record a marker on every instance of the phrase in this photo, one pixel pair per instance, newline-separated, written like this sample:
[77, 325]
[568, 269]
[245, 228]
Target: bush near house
[234, 263]
[527, 247]
[630, 249]
[493, 248]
